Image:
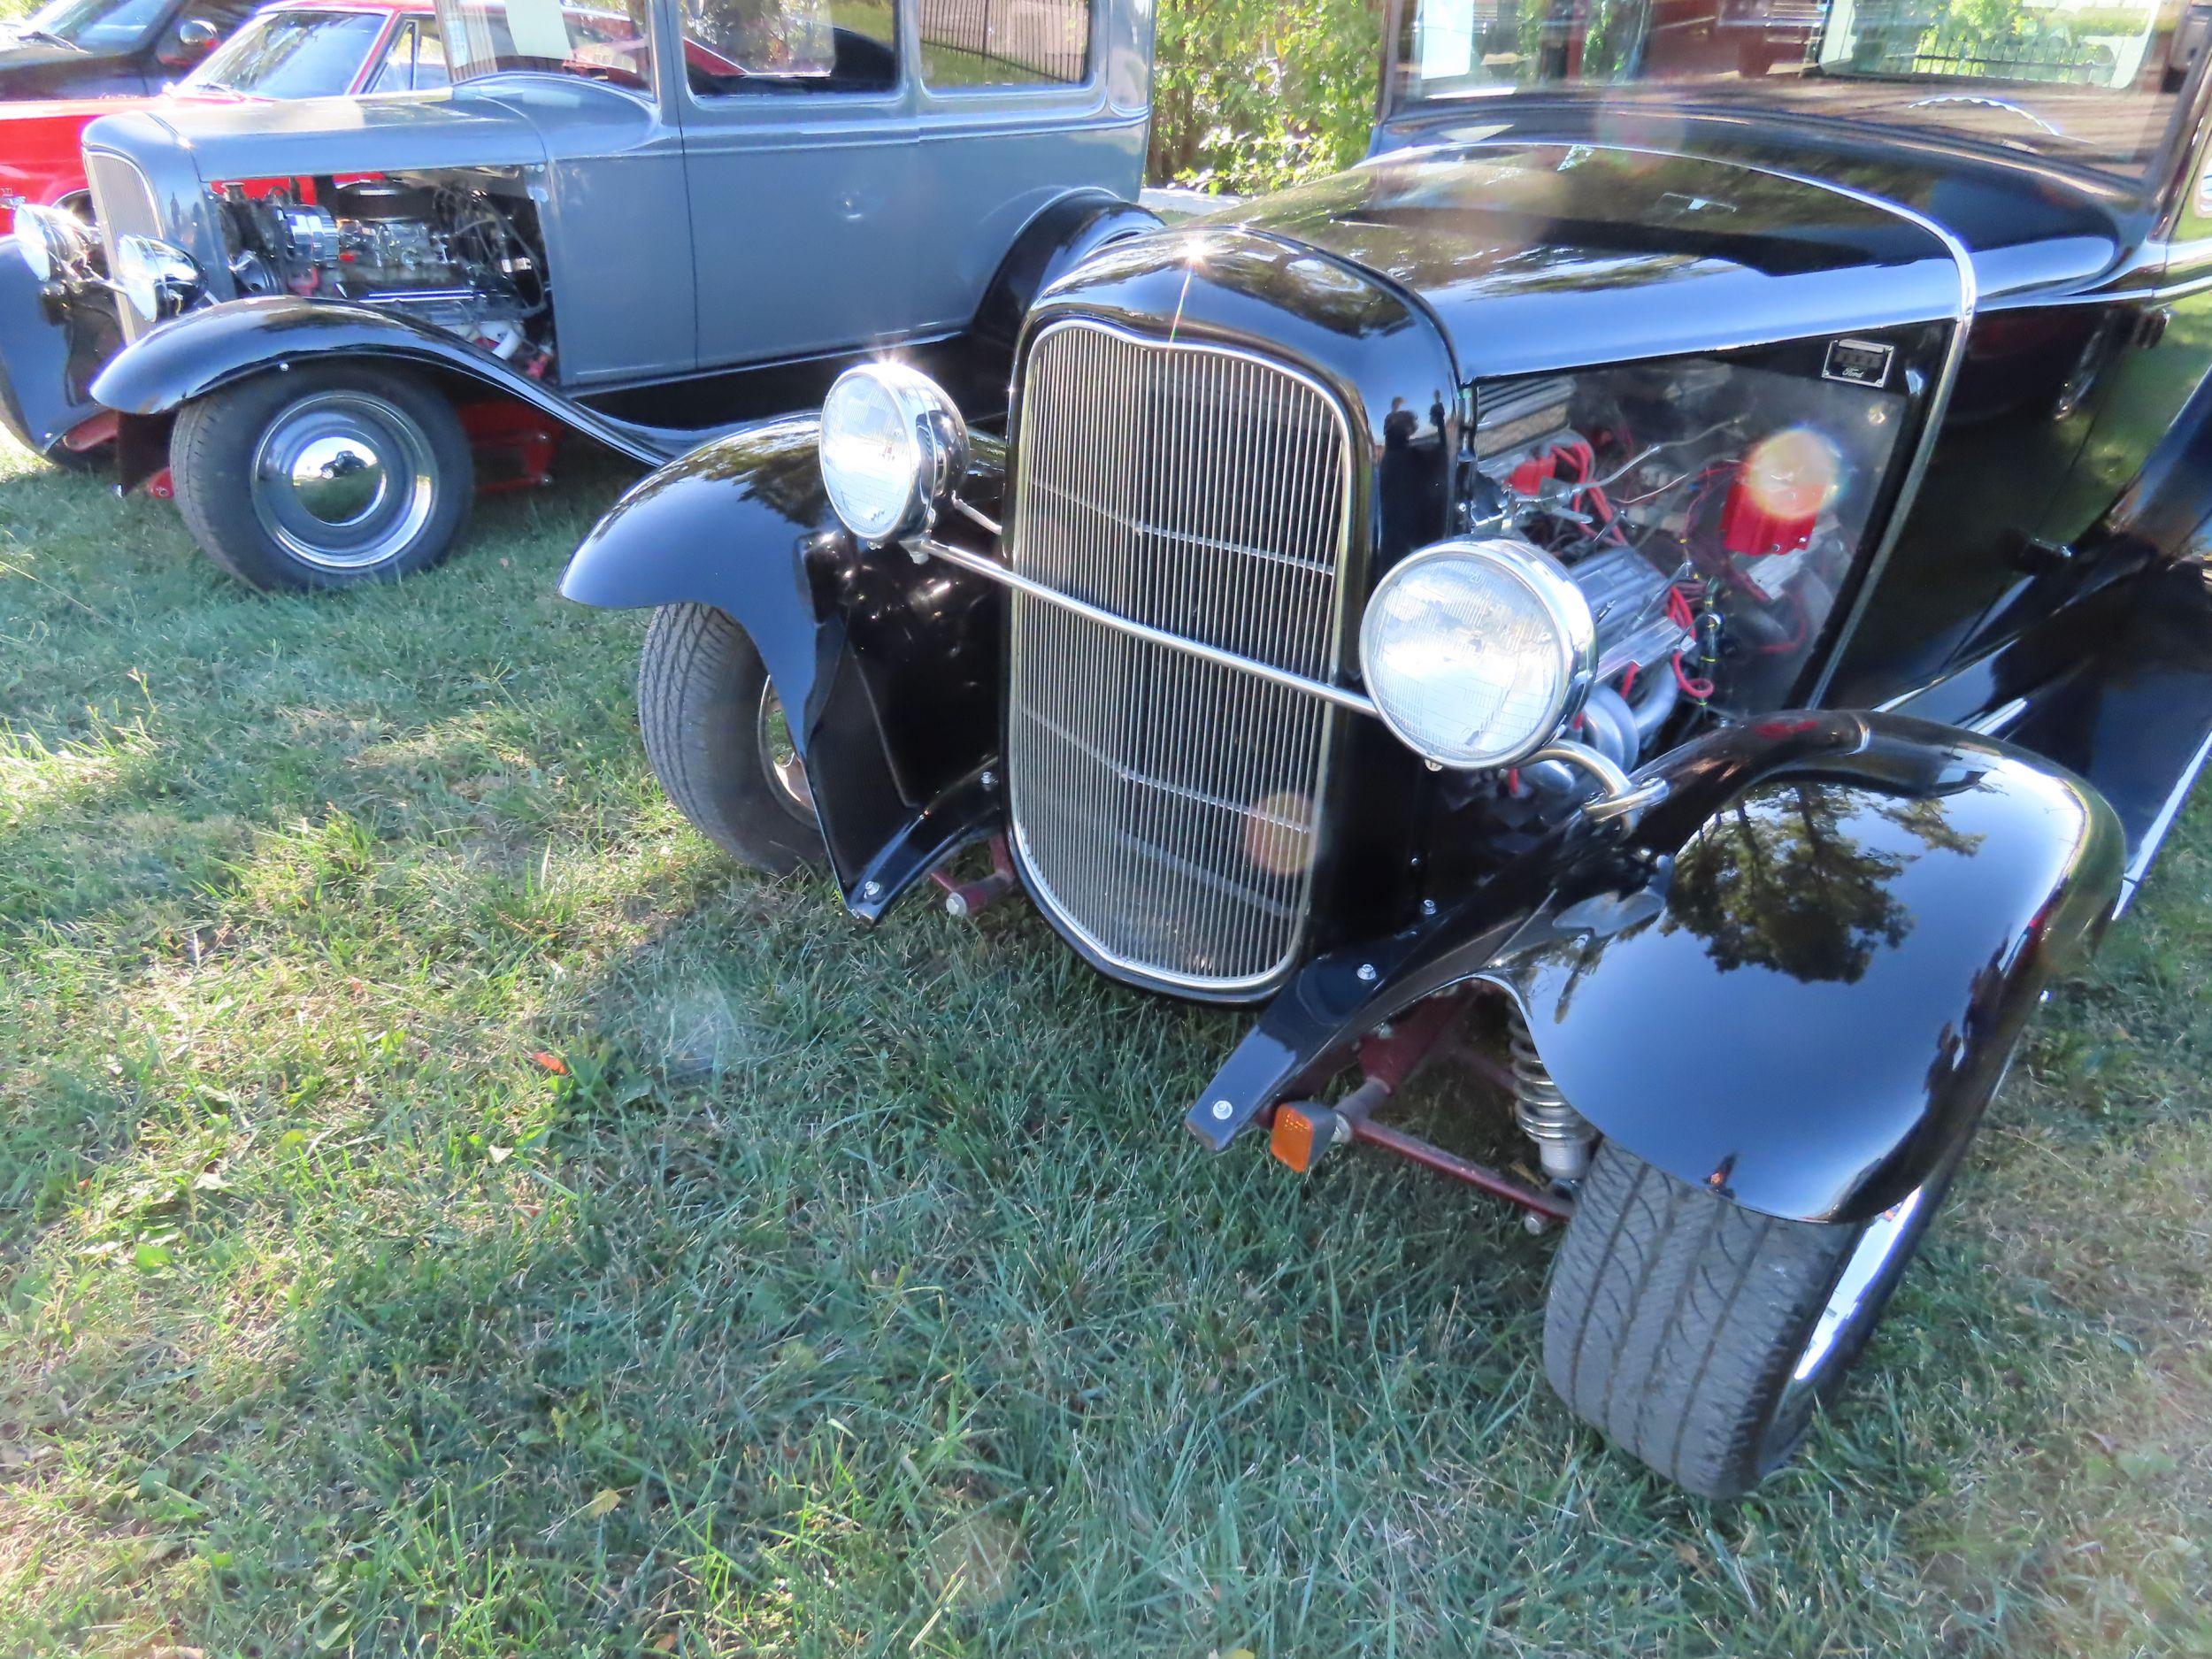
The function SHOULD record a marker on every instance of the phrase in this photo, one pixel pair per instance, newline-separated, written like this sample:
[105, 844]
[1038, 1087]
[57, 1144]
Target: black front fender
[202, 351]
[47, 366]
[1798, 981]
[887, 670]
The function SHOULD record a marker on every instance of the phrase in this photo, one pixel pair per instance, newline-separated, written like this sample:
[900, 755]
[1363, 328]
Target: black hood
[1540, 257]
[32, 68]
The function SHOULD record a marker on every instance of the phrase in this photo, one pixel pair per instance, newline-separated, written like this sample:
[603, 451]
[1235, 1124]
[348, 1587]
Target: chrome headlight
[893, 448]
[51, 240]
[158, 280]
[1476, 653]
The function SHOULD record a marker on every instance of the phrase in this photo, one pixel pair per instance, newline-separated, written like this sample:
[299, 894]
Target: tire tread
[1675, 1318]
[699, 681]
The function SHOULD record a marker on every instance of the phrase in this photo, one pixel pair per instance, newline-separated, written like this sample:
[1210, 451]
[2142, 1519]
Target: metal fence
[1049, 40]
[2055, 58]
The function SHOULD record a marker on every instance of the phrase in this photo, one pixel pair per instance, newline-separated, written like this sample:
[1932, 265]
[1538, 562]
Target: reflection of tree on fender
[1782, 882]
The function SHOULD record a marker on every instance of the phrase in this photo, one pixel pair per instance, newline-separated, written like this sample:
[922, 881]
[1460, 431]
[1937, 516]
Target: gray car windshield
[2095, 83]
[612, 43]
[292, 55]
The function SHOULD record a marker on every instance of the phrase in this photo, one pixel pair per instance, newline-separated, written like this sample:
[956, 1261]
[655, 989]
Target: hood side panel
[1538, 258]
[307, 136]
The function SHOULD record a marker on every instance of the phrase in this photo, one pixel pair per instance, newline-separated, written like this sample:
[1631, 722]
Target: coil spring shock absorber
[1564, 1137]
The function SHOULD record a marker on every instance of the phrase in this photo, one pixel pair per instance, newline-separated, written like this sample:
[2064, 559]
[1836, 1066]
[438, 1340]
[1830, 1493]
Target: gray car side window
[746, 48]
[606, 40]
[1003, 43]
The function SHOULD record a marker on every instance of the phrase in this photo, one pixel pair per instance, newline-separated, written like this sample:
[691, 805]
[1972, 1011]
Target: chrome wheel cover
[344, 481]
[779, 757]
[1865, 1271]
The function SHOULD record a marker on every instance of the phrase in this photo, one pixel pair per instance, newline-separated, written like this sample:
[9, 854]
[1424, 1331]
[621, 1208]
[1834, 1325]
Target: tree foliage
[1252, 95]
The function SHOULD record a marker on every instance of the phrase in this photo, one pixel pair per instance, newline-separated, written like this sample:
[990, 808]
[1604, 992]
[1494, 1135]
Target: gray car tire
[328, 476]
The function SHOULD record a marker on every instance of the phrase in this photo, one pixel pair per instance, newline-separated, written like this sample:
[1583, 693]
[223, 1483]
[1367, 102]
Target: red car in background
[296, 49]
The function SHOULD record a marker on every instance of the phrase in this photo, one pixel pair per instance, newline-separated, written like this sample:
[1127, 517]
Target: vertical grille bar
[122, 198]
[123, 202]
[1166, 806]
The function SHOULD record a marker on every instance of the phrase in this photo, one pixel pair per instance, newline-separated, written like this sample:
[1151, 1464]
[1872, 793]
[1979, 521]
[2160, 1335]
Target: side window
[745, 48]
[1004, 43]
[430, 70]
[397, 73]
[610, 40]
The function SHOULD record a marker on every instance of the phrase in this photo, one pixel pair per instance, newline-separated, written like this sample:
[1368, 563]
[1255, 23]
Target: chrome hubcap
[338, 480]
[343, 481]
[779, 757]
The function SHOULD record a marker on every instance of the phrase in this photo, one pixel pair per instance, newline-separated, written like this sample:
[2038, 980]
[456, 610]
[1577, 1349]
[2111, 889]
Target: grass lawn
[856, 1293]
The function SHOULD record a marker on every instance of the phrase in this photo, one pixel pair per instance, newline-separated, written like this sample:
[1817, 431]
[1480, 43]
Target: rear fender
[887, 670]
[1797, 981]
[204, 350]
[1054, 242]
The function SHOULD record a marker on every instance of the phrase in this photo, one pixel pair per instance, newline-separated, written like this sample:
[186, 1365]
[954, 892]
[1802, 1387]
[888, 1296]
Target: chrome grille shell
[122, 196]
[123, 201]
[1166, 808]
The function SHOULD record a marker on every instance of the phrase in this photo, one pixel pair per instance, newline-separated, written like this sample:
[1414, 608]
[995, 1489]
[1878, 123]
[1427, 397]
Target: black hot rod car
[1708, 560]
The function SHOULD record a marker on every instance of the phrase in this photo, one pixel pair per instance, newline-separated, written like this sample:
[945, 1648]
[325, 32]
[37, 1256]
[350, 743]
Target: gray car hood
[310, 136]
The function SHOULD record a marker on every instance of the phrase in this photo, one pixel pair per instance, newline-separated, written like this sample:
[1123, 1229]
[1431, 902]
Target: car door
[1020, 101]
[798, 131]
[2139, 366]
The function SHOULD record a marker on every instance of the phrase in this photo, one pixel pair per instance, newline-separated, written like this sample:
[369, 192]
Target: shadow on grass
[843, 1281]
[847, 1291]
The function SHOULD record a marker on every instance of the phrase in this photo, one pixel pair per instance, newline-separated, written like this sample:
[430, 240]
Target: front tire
[718, 743]
[329, 476]
[1701, 1337]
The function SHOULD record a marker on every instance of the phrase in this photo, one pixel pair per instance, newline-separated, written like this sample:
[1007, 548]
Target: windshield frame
[2156, 179]
[651, 27]
[270, 16]
[163, 17]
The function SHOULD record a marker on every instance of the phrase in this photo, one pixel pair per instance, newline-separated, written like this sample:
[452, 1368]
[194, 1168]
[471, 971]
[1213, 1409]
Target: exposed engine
[462, 254]
[1710, 512]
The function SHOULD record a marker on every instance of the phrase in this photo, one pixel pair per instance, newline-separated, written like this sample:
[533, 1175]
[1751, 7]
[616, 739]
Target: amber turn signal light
[1301, 1132]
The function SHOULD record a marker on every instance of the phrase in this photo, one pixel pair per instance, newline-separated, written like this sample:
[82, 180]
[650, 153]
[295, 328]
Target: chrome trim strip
[1897, 702]
[1998, 718]
[982, 565]
[2154, 837]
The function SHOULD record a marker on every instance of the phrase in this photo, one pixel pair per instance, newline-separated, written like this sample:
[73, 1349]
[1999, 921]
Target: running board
[2136, 721]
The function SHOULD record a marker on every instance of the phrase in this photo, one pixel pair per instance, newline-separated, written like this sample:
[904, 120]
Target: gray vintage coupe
[612, 223]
